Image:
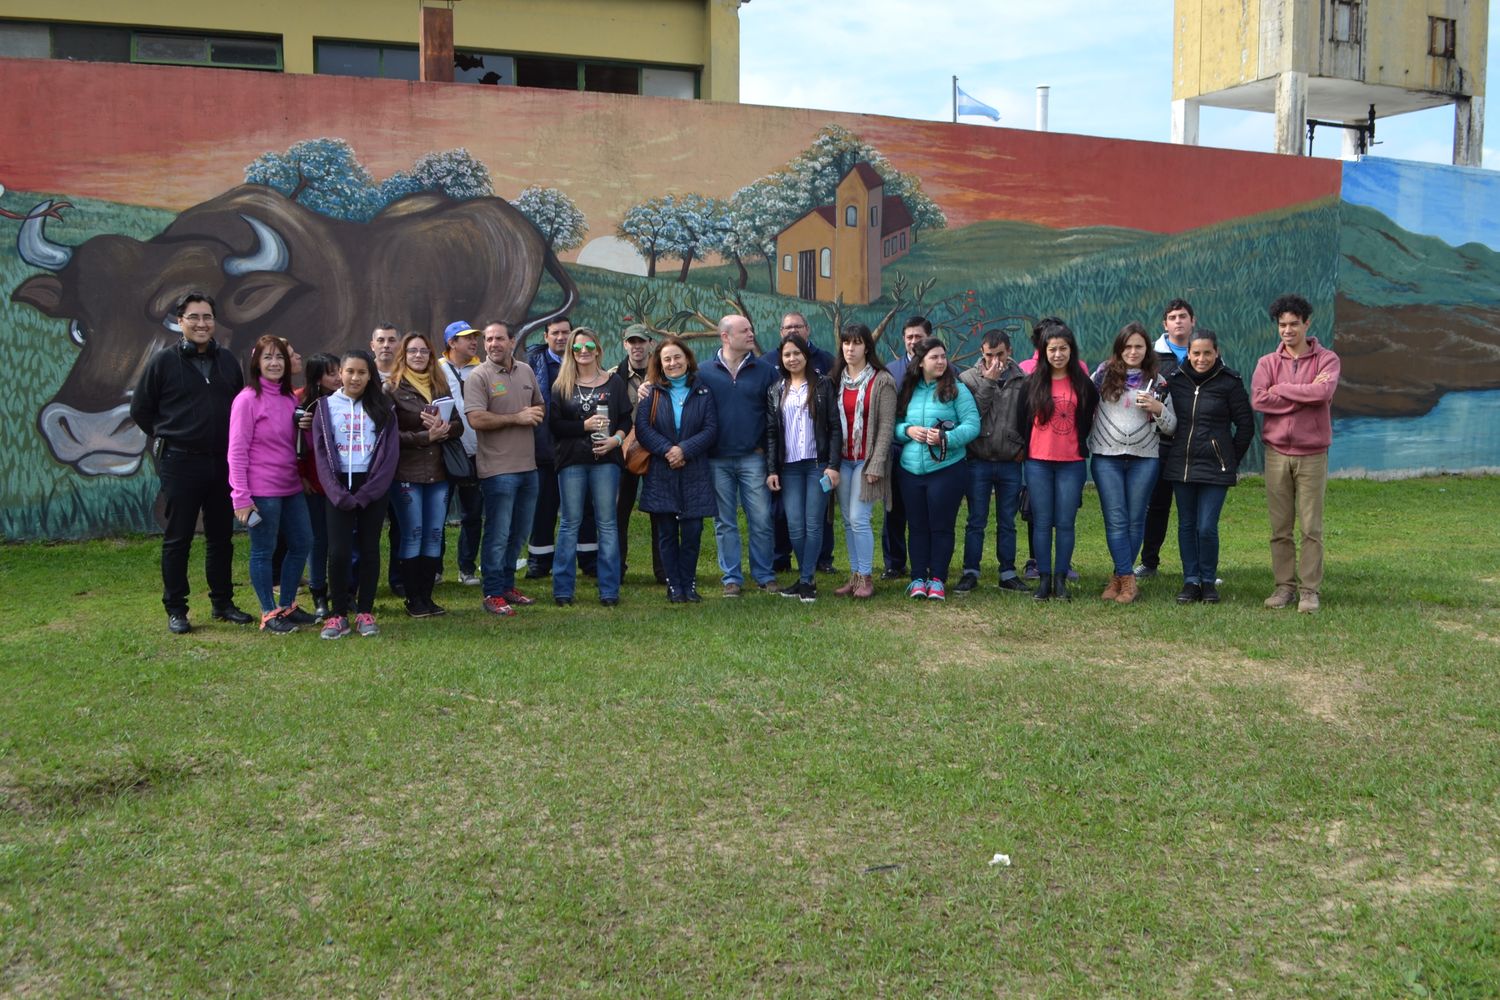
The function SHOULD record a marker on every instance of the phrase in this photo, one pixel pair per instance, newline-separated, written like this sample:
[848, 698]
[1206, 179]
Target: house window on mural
[1442, 33]
[825, 262]
[851, 216]
[1346, 21]
[903, 242]
[874, 216]
[786, 262]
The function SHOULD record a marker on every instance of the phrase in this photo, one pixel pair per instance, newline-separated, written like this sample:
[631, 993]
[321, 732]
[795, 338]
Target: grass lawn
[763, 798]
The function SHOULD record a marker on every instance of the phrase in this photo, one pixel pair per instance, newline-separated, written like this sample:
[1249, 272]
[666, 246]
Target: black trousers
[344, 528]
[680, 539]
[893, 533]
[193, 484]
[471, 505]
[629, 487]
[1158, 515]
[544, 526]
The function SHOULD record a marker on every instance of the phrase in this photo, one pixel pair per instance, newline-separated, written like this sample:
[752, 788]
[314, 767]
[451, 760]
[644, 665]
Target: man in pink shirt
[1294, 386]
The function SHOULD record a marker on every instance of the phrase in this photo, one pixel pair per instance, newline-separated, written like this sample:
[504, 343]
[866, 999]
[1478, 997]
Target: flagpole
[955, 100]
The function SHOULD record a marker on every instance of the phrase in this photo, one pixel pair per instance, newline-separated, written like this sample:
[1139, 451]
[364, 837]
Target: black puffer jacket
[828, 434]
[1214, 426]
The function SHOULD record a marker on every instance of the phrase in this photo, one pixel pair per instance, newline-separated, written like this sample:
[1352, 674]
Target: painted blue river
[1461, 432]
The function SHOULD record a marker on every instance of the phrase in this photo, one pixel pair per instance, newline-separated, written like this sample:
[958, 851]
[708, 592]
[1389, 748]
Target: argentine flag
[968, 106]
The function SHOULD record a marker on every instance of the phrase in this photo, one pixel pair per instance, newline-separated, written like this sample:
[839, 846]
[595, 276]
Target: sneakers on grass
[335, 627]
[917, 589]
[365, 625]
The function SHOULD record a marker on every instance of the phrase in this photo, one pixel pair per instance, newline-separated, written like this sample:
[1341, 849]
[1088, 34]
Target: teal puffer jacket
[926, 410]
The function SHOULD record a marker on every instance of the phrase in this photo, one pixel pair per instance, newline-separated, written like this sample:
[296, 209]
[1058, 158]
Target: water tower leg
[1468, 132]
[1185, 122]
[1291, 113]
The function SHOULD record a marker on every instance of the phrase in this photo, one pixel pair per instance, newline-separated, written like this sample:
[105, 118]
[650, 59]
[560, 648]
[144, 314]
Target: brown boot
[1112, 592]
[847, 588]
[865, 587]
[1128, 590]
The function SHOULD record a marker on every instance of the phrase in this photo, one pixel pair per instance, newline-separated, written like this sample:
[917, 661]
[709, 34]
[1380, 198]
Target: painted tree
[759, 212]
[455, 173]
[322, 174]
[733, 240]
[647, 227]
[692, 222]
[555, 216]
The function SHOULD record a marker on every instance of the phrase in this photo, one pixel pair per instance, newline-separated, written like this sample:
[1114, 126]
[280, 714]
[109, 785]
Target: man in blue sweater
[739, 382]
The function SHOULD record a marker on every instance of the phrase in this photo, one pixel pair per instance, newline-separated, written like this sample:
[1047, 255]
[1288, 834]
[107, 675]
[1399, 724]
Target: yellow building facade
[677, 48]
[1331, 60]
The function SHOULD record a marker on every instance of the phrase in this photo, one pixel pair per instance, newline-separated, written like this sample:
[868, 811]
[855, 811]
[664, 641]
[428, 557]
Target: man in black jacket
[182, 400]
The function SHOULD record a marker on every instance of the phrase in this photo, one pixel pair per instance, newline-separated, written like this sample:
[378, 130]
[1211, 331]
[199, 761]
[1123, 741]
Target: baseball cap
[636, 331]
[458, 329]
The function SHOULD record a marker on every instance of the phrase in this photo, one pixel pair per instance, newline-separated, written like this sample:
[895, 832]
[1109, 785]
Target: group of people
[555, 450]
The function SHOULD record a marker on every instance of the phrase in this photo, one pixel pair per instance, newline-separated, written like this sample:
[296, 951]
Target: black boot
[1043, 590]
[434, 567]
[409, 573]
[1060, 588]
[320, 603]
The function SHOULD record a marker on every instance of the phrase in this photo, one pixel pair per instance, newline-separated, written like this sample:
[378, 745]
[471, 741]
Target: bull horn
[33, 245]
[270, 253]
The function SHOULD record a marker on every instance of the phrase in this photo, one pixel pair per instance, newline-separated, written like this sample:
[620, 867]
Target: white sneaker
[469, 579]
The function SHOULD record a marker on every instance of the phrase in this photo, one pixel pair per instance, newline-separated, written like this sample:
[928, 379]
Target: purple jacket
[382, 469]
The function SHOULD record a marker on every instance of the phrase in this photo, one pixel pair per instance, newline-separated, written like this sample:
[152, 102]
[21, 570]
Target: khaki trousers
[1295, 485]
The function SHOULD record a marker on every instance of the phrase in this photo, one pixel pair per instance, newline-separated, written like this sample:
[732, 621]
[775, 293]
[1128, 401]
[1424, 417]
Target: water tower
[1318, 64]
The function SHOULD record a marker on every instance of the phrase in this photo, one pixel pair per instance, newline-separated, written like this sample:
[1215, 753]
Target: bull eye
[76, 331]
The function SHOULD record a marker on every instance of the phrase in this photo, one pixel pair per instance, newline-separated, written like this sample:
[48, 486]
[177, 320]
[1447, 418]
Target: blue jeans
[742, 482]
[803, 497]
[1056, 493]
[1198, 506]
[859, 538]
[931, 513]
[421, 510]
[1003, 480]
[1125, 483]
[598, 483]
[279, 515]
[509, 502]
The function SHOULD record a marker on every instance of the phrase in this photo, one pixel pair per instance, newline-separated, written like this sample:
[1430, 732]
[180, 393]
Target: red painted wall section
[172, 137]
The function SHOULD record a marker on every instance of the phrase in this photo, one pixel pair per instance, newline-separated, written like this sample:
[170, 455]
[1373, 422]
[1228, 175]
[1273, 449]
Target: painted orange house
[842, 249]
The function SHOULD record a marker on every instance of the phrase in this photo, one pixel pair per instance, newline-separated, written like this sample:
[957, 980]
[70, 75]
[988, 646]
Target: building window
[825, 262]
[851, 216]
[1346, 21]
[903, 242]
[786, 262]
[106, 43]
[488, 68]
[679, 83]
[391, 62]
[874, 216]
[885, 249]
[1442, 34]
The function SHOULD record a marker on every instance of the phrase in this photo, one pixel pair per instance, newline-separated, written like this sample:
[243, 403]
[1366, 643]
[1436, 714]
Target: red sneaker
[498, 606]
[517, 598]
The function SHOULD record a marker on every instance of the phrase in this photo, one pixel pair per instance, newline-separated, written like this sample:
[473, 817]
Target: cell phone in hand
[826, 483]
[253, 520]
[430, 408]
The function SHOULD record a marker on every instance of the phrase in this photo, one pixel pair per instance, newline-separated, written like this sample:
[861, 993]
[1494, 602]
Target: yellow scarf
[420, 381]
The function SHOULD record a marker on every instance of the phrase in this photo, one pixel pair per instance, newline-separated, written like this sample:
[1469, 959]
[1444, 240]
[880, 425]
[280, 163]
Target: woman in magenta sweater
[264, 485]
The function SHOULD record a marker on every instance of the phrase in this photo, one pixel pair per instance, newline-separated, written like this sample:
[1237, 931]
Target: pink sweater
[1298, 409]
[262, 449]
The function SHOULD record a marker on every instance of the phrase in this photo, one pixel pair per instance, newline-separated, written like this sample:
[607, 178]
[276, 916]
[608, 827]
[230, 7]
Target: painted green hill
[1383, 264]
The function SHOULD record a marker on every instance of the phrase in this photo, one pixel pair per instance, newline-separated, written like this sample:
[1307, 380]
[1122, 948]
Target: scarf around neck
[420, 381]
[861, 386]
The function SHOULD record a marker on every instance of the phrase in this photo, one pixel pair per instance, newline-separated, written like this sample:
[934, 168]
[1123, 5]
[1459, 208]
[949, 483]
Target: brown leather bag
[637, 458]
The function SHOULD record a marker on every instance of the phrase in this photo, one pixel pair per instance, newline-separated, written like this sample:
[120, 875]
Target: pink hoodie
[262, 452]
[1298, 409]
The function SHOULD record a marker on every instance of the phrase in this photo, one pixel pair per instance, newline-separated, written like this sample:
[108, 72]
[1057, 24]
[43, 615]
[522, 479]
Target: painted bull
[274, 266]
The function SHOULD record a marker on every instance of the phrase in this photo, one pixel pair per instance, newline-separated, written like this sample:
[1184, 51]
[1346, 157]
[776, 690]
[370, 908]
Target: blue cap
[458, 329]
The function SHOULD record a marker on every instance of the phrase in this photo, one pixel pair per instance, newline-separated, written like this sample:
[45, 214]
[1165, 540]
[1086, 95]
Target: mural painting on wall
[860, 220]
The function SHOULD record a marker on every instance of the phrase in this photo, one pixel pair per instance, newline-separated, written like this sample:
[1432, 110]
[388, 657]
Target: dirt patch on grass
[1469, 630]
[44, 795]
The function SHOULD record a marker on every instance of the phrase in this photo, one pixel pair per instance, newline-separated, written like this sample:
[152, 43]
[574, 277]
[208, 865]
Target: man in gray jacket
[995, 458]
